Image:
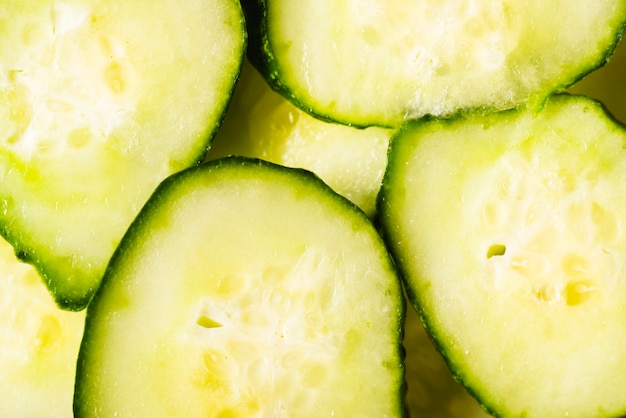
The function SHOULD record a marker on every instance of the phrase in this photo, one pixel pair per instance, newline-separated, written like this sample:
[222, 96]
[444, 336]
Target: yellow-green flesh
[99, 101]
[246, 293]
[510, 231]
[38, 344]
[383, 62]
[261, 123]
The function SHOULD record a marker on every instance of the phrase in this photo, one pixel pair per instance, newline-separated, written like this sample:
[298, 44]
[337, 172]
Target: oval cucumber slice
[260, 123]
[245, 289]
[38, 347]
[383, 62]
[99, 102]
[509, 231]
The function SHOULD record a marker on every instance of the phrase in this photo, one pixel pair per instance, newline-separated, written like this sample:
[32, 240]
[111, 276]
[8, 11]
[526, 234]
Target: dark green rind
[389, 230]
[140, 226]
[593, 66]
[261, 56]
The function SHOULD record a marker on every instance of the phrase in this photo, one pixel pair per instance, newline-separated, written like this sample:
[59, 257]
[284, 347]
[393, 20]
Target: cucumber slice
[382, 62]
[509, 231]
[99, 102]
[261, 123]
[38, 345]
[245, 289]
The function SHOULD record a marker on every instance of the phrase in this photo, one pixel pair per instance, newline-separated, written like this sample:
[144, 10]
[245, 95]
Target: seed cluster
[551, 233]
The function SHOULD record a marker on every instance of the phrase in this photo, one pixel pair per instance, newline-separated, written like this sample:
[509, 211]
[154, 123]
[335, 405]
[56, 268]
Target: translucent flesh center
[68, 88]
[551, 233]
[432, 38]
[434, 58]
[267, 346]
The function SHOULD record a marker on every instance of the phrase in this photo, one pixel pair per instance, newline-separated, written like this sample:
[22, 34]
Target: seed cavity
[575, 266]
[114, 77]
[546, 294]
[80, 137]
[606, 224]
[578, 292]
[370, 35]
[207, 322]
[270, 334]
[496, 250]
[64, 83]
[561, 232]
[219, 365]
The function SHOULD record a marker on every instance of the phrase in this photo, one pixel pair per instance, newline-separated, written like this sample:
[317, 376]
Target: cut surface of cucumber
[245, 289]
[260, 123]
[99, 102]
[38, 344]
[509, 232]
[382, 62]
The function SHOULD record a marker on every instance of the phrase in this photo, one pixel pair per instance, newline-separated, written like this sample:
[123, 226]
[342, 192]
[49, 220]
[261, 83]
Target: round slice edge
[509, 232]
[245, 289]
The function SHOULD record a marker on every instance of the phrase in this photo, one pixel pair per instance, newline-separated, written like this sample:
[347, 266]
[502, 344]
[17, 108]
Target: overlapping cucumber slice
[382, 62]
[99, 102]
[509, 229]
[38, 344]
[261, 123]
[245, 289]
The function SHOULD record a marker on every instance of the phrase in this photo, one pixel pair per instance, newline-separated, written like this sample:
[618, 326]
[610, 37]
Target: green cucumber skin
[593, 66]
[66, 299]
[133, 236]
[261, 55]
[390, 231]
[56, 272]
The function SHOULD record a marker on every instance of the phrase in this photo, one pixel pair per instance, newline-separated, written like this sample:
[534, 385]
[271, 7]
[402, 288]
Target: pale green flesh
[383, 62]
[99, 101]
[245, 291]
[260, 123]
[510, 231]
[39, 344]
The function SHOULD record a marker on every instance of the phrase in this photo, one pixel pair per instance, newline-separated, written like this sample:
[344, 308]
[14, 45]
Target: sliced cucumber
[261, 123]
[245, 289]
[509, 230]
[38, 344]
[99, 101]
[382, 62]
